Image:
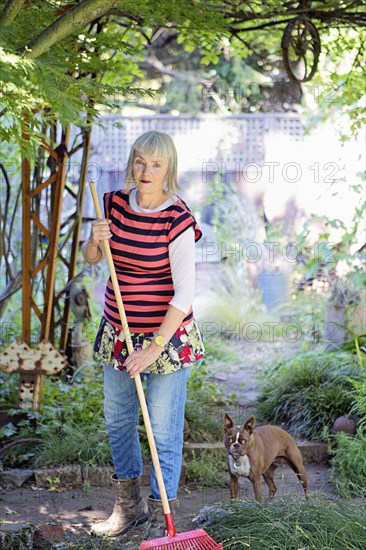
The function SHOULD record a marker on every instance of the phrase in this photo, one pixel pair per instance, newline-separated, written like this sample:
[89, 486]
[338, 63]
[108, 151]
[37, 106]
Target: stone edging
[76, 476]
[70, 476]
[312, 452]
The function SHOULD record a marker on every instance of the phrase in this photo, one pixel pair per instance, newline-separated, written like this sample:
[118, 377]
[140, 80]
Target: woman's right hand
[100, 231]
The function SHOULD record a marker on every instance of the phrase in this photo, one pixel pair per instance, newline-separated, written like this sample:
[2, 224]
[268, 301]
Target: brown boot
[129, 509]
[157, 523]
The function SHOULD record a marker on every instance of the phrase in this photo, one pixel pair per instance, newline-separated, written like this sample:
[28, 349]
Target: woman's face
[149, 172]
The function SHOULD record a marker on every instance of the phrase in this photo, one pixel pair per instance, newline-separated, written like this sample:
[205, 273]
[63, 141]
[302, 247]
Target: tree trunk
[72, 20]
[10, 11]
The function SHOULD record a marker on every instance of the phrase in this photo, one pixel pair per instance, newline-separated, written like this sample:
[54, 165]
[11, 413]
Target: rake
[190, 540]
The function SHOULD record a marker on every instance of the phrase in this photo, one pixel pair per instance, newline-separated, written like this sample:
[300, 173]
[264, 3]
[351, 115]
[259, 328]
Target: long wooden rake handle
[140, 392]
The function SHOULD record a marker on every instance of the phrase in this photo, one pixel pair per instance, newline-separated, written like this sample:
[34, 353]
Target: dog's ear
[228, 423]
[249, 425]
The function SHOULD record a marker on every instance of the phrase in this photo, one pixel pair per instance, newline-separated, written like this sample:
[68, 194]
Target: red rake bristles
[191, 540]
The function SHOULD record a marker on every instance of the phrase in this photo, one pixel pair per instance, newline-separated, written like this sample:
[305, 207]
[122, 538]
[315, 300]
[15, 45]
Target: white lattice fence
[205, 138]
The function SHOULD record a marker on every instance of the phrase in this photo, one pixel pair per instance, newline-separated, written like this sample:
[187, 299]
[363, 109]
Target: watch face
[160, 340]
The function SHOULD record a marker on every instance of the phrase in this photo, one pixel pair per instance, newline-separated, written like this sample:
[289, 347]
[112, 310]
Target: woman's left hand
[138, 361]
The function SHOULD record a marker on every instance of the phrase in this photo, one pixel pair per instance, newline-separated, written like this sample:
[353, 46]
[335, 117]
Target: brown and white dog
[253, 453]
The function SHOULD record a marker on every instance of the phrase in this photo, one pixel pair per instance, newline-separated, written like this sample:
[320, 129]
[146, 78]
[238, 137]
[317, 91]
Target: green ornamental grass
[348, 463]
[309, 391]
[316, 524]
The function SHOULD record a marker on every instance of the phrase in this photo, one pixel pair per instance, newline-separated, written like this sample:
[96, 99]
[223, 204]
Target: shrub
[232, 305]
[70, 422]
[73, 444]
[209, 468]
[9, 384]
[359, 404]
[206, 400]
[308, 392]
[348, 463]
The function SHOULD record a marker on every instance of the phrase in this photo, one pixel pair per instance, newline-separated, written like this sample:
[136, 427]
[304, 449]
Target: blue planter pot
[275, 288]
[335, 327]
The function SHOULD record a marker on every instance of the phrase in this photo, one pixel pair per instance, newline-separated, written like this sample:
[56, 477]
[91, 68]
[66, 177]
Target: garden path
[242, 377]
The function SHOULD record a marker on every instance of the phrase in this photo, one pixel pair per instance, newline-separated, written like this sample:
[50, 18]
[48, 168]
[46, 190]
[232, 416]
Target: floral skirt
[184, 348]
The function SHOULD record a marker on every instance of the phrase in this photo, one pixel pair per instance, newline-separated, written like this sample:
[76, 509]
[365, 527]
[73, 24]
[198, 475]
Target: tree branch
[10, 11]
[13, 286]
[21, 441]
[128, 15]
[7, 182]
[75, 18]
[153, 62]
[277, 16]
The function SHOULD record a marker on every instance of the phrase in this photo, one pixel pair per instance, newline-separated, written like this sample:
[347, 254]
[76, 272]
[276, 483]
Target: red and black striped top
[139, 247]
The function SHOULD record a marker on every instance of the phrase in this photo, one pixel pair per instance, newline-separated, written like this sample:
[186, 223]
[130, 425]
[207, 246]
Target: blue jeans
[166, 397]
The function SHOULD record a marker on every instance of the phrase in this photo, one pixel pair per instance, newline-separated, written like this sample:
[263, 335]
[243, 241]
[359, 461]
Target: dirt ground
[76, 509]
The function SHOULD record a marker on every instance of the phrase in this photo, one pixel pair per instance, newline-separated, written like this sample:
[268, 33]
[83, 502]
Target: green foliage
[232, 309]
[208, 469]
[72, 541]
[21, 539]
[359, 403]
[66, 80]
[74, 444]
[93, 67]
[219, 350]
[48, 84]
[205, 421]
[71, 422]
[319, 523]
[8, 389]
[308, 392]
[80, 402]
[348, 463]
[233, 216]
[307, 310]
[205, 399]
[89, 542]
[186, 97]
[326, 257]
[338, 86]
[199, 386]
[357, 346]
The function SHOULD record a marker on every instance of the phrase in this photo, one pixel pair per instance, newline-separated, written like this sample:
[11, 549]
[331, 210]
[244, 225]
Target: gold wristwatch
[160, 340]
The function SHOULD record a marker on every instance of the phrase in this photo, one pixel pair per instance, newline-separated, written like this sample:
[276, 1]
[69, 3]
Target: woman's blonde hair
[159, 145]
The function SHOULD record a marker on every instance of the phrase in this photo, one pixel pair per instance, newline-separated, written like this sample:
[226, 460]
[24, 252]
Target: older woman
[152, 235]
